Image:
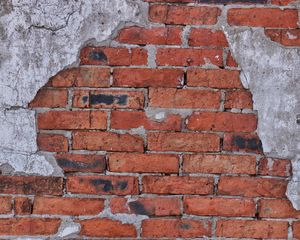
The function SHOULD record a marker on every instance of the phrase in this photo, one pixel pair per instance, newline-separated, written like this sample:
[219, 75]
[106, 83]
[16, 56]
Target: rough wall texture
[152, 134]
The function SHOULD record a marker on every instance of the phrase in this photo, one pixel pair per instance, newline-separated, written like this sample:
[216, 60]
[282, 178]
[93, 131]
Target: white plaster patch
[68, 229]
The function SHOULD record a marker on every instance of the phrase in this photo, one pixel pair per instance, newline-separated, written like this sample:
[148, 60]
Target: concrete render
[40, 38]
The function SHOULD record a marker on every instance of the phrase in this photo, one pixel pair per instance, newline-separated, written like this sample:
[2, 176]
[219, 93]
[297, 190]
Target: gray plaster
[272, 74]
[37, 40]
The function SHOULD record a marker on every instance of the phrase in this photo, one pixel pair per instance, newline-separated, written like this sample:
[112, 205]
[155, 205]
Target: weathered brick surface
[156, 136]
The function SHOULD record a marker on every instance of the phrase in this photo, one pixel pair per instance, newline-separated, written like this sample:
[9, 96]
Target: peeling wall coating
[38, 39]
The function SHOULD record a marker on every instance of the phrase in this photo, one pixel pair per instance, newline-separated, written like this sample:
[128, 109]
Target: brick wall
[158, 125]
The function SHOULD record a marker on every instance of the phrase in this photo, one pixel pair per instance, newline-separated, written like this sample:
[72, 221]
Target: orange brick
[52, 142]
[149, 163]
[207, 37]
[139, 57]
[107, 141]
[23, 206]
[50, 98]
[228, 207]
[184, 142]
[230, 164]
[105, 185]
[129, 120]
[285, 37]
[230, 62]
[184, 98]
[252, 187]
[275, 167]
[178, 185]
[296, 230]
[277, 208]
[238, 99]
[5, 205]
[67, 206]
[252, 229]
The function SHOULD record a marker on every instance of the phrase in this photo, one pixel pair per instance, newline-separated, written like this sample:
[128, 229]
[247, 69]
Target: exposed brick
[139, 57]
[28, 226]
[188, 57]
[156, 35]
[285, 37]
[110, 56]
[231, 164]
[81, 162]
[296, 230]
[184, 142]
[207, 37]
[52, 142]
[282, 2]
[229, 207]
[67, 206]
[149, 163]
[23, 206]
[31, 185]
[275, 167]
[252, 187]
[175, 228]
[106, 185]
[107, 141]
[108, 99]
[214, 78]
[150, 206]
[213, 1]
[51, 98]
[222, 121]
[68, 120]
[263, 17]
[238, 99]
[106, 227]
[184, 98]
[230, 62]
[5, 205]
[177, 185]
[184, 15]
[129, 120]
[277, 208]
[242, 142]
[252, 229]
[139, 77]
[82, 77]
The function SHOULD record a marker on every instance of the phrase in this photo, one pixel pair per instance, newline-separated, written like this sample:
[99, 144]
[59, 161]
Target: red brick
[31, 185]
[105, 185]
[147, 163]
[175, 228]
[184, 98]
[68, 120]
[188, 57]
[107, 141]
[275, 167]
[222, 121]
[172, 1]
[238, 99]
[285, 37]
[242, 143]
[218, 164]
[23, 206]
[277, 208]
[5, 205]
[150, 206]
[106, 227]
[296, 230]
[156, 35]
[129, 120]
[184, 142]
[52, 142]
[110, 56]
[81, 162]
[230, 62]
[139, 77]
[28, 226]
[108, 99]
[252, 229]
[282, 2]
[252, 187]
[184, 15]
[207, 37]
[178, 185]
[263, 17]
[67, 206]
[51, 98]
[214, 78]
[82, 77]
[228, 207]
[139, 56]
